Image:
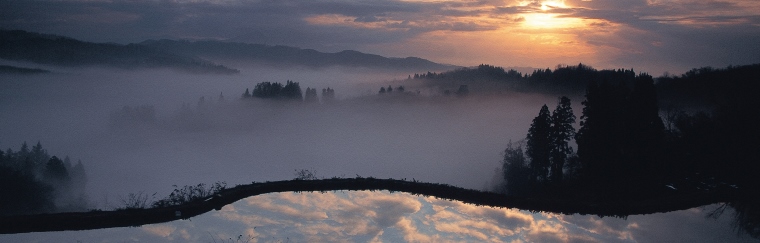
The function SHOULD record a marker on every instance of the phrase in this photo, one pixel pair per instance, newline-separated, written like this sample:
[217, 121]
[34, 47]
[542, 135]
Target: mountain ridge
[191, 56]
[291, 56]
[19, 45]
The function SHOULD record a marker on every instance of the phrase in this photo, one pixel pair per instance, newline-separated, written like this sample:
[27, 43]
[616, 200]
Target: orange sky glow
[647, 35]
[541, 34]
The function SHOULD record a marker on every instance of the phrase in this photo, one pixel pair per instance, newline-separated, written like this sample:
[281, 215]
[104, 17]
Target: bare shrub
[304, 174]
[135, 200]
[187, 194]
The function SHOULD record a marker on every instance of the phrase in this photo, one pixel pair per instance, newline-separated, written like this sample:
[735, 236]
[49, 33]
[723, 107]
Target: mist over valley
[160, 115]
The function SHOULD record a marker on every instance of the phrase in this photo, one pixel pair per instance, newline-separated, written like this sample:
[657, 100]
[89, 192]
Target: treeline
[561, 80]
[625, 150]
[291, 91]
[463, 90]
[32, 181]
[710, 86]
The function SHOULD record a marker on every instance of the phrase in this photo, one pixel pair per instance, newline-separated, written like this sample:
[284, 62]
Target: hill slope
[18, 45]
[287, 56]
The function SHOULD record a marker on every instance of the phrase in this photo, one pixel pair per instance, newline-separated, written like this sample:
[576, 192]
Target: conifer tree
[311, 96]
[515, 170]
[561, 133]
[538, 145]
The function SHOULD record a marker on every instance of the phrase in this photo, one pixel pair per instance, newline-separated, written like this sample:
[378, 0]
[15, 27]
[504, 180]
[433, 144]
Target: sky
[651, 36]
[380, 216]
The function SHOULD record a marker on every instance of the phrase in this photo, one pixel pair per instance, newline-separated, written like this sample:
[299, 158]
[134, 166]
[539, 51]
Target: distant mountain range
[290, 56]
[18, 45]
[20, 70]
[196, 57]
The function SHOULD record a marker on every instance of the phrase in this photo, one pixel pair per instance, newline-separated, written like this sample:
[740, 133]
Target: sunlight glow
[546, 5]
[549, 21]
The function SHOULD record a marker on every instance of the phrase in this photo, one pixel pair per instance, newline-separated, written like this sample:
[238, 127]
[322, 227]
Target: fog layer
[454, 140]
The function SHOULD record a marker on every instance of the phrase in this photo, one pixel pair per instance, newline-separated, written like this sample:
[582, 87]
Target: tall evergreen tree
[311, 96]
[600, 133]
[328, 95]
[647, 131]
[55, 171]
[538, 145]
[24, 151]
[561, 133]
[515, 170]
[621, 136]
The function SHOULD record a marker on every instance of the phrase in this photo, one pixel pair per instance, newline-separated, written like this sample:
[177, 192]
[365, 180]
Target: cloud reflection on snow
[384, 216]
[381, 216]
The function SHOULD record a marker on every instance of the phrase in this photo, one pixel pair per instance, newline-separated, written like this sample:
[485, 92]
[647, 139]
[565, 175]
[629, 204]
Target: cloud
[159, 230]
[547, 231]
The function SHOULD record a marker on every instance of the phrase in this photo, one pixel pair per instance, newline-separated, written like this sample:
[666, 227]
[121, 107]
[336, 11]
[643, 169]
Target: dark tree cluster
[290, 91]
[516, 170]
[547, 150]
[722, 144]
[389, 90]
[561, 80]
[620, 142]
[624, 150]
[328, 95]
[573, 79]
[267, 90]
[621, 139]
[32, 181]
[311, 96]
[482, 72]
[709, 86]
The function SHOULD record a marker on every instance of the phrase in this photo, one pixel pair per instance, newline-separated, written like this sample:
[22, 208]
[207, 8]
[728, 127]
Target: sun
[545, 19]
[549, 21]
[546, 5]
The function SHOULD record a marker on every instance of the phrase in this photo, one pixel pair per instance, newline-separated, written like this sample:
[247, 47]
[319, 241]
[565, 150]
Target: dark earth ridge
[138, 217]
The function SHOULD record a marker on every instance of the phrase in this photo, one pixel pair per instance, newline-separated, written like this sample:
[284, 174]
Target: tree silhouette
[29, 186]
[598, 135]
[463, 90]
[55, 171]
[328, 95]
[538, 145]
[266, 90]
[646, 132]
[621, 138]
[561, 132]
[23, 194]
[291, 91]
[515, 170]
[311, 96]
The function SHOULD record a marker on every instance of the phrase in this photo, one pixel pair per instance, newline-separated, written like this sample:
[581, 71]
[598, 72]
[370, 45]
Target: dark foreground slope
[137, 217]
